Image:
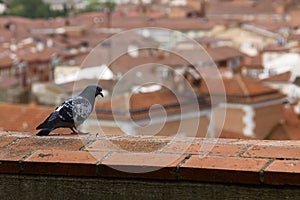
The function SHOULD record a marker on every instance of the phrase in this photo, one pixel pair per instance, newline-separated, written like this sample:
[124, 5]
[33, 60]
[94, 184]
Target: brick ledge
[257, 162]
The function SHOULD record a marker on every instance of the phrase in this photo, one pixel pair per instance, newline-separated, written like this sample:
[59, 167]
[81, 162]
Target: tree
[31, 9]
[95, 5]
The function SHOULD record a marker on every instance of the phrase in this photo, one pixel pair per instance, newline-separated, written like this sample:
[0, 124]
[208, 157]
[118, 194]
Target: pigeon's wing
[65, 111]
[52, 122]
[70, 113]
[75, 110]
[61, 116]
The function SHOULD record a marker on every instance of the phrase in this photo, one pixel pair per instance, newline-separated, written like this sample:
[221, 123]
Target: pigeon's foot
[83, 133]
[78, 132]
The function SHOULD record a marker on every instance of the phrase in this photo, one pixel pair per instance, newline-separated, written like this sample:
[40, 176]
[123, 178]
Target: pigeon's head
[93, 89]
[98, 91]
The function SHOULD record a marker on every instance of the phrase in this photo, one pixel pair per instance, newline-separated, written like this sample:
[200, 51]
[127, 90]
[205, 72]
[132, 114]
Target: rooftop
[245, 90]
[139, 104]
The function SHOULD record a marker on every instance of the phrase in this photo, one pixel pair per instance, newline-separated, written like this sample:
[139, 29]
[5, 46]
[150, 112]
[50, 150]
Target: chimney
[40, 46]
[202, 11]
[49, 43]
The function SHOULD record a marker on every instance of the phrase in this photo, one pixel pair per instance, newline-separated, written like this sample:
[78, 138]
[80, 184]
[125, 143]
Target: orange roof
[224, 53]
[243, 90]
[239, 8]
[21, 117]
[138, 104]
[6, 62]
[178, 58]
[40, 56]
[121, 20]
[182, 24]
[126, 62]
[282, 77]
[275, 48]
[294, 37]
[253, 62]
[271, 25]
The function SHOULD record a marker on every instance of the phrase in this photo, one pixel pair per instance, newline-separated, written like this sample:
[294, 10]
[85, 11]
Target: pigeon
[72, 112]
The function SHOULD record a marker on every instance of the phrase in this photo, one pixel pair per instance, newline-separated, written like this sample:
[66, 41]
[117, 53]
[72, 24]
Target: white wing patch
[58, 109]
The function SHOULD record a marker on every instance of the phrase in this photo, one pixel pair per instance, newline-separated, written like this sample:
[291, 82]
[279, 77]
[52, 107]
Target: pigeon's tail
[41, 126]
[44, 132]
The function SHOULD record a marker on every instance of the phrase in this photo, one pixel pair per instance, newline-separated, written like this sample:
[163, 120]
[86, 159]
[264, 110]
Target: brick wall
[252, 163]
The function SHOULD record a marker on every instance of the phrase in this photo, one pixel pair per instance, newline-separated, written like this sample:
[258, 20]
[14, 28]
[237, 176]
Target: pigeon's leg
[76, 131]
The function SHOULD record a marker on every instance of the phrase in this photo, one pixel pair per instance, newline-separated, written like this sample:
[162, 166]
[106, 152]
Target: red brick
[9, 159]
[214, 140]
[272, 152]
[283, 172]
[125, 145]
[18, 134]
[141, 165]
[148, 138]
[254, 142]
[6, 140]
[49, 143]
[211, 149]
[57, 162]
[222, 169]
[288, 143]
[102, 145]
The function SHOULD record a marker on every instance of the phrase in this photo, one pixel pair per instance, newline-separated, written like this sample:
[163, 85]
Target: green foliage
[95, 5]
[31, 9]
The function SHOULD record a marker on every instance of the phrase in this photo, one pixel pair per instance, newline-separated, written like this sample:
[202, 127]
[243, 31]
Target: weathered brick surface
[141, 165]
[126, 145]
[58, 162]
[283, 172]
[6, 141]
[35, 143]
[222, 169]
[273, 152]
[148, 157]
[9, 159]
[209, 149]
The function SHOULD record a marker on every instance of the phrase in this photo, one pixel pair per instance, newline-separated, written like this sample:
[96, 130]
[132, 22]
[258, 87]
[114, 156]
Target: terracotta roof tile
[282, 77]
[126, 62]
[253, 62]
[40, 56]
[244, 90]
[294, 37]
[6, 62]
[138, 104]
[271, 25]
[224, 53]
[23, 118]
[275, 48]
[239, 8]
[6, 35]
[177, 59]
[182, 24]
